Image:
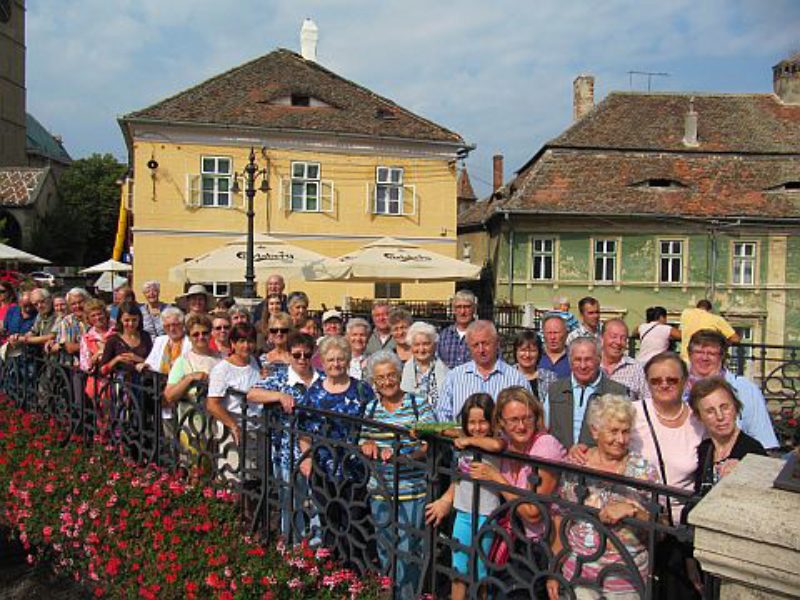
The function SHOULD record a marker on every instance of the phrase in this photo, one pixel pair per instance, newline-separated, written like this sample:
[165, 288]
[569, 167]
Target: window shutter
[192, 198]
[286, 193]
[369, 202]
[327, 197]
[409, 200]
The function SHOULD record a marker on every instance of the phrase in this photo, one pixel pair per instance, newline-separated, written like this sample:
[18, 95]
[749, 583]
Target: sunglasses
[659, 381]
[199, 334]
[221, 327]
[299, 355]
[279, 330]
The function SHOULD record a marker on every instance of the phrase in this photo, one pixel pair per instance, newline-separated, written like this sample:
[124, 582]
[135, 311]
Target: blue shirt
[465, 380]
[560, 368]
[15, 323]
[353, 402]
[452, 348]
[580, 400]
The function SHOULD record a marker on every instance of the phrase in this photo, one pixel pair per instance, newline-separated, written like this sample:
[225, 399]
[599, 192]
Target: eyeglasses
[199, 334]
[299, 355]
[283, 330]
[221, 327]
[517, 421]
[386, 378]
[668, 381]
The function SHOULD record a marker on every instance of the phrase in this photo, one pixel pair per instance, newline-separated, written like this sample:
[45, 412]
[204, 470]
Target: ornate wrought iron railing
[304, 476]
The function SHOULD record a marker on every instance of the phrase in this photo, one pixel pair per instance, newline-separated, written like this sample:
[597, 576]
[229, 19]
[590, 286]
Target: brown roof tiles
[18, 185]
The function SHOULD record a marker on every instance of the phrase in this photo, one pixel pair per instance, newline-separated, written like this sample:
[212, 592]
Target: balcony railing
[353, 504]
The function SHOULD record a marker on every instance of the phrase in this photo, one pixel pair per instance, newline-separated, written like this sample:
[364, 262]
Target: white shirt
[231, 383]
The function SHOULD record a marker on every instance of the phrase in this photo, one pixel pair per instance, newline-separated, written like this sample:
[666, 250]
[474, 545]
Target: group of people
[571, 394]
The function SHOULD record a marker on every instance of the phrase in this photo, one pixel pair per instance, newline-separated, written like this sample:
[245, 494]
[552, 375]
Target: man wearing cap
[196, 300]
[332, 323]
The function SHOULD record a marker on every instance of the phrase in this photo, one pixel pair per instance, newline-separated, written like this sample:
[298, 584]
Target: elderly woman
[278, 328]
[93, 342]
[168, 347]
[196, 300]
[424, 373]
[151, 309]
[519, 418]
[394, 407]
[297, 306]
[334, 476]
[220, 334]
[357, 333]
[714, 402]
[186, 373]
[610, 420]
[131, 344]
[399, 322]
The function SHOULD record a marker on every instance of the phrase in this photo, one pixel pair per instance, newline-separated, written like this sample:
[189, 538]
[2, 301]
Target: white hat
[194, 290]
[331, 314]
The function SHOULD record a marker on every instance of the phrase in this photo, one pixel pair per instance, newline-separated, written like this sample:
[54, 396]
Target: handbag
[499, 552]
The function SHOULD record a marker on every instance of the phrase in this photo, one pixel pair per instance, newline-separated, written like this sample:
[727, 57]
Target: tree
[82, 228]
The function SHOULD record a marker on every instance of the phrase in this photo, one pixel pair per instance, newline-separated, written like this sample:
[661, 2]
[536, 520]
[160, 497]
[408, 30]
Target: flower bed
[125, 531]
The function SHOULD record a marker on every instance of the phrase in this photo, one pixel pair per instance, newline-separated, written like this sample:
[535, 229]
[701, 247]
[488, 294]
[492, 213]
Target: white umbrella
[14, 254]
[389, 259]
[108, 266]
[270, 256]
[108, 281]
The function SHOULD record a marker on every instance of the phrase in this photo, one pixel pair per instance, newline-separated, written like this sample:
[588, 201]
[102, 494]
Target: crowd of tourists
[570, 393]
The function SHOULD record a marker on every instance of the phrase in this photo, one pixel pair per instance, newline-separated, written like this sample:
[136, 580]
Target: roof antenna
[648, 74]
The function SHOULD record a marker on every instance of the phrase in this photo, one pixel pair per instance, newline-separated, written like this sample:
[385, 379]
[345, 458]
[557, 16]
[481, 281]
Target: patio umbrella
[108, 281]
[389, 259]
[270, 256]
[10, 253]
[108, 266]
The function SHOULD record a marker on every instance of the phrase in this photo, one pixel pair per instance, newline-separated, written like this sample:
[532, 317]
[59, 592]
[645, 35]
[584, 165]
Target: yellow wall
[160, 204]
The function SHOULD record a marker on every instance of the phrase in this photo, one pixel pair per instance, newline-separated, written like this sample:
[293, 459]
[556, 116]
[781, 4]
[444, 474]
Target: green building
[656, 199]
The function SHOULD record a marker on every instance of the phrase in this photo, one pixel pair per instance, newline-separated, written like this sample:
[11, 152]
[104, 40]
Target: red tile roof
[250, 95]
[464, 186]
[18, 186]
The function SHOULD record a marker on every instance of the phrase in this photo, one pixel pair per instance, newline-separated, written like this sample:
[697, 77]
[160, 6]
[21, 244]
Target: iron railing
[354, 505]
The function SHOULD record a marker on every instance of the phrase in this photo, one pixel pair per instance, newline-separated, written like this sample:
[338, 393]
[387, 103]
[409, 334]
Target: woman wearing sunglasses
[277, 333]
[220, 334]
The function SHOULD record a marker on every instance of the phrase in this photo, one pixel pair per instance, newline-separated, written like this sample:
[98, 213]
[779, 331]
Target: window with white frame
[215, 175]
[605, 260]
[389, 191]
[670, 261]
[744, 263]
[305, 188]
[542, 251]
[218, 289]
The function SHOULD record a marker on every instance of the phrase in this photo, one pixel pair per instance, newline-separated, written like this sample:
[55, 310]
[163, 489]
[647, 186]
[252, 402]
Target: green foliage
[83, 227]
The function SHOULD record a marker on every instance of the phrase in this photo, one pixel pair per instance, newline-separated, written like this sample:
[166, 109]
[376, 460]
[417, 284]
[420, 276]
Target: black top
[116, 345]
[705, 476]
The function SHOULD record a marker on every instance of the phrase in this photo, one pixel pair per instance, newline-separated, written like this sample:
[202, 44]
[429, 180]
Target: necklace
[671, 419]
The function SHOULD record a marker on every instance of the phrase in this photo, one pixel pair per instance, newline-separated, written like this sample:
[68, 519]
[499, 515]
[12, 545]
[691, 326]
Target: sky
[497, 72]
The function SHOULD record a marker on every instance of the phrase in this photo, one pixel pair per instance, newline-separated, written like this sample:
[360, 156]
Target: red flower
[215, 581]
[112, 566]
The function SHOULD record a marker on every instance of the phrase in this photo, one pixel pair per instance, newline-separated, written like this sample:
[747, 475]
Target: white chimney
[690, 127]
[309, 34]
[582, 96]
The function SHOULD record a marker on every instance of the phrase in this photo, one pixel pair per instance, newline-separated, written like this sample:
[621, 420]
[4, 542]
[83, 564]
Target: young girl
[476, 422]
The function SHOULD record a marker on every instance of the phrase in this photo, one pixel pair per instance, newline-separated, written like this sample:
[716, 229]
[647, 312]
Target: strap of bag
[661, 467]
[642, 335]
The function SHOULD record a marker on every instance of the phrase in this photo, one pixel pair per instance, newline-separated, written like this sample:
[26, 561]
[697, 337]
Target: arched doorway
[10, 230]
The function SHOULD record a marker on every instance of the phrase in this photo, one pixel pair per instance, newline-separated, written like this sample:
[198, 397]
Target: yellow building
[344, 165]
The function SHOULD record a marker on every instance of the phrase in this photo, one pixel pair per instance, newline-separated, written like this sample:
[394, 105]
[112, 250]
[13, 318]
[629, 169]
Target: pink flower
[47, 531]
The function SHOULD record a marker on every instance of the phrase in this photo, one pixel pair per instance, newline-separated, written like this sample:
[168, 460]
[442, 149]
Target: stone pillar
[748, 534]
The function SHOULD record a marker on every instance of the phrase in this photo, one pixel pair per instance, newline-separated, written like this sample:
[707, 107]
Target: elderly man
[275, 285]
[568, 399]
[168, 347]
[617, 365]
[42, 331]
[554, 358]
[701, 317]
[486, 372]
[19, 319]
[707, 350]
[590, 320]
[381, 338]
[452, 348]
[72, 327]
[561, 308]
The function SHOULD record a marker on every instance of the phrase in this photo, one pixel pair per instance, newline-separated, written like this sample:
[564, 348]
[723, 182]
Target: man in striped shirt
[486, 372]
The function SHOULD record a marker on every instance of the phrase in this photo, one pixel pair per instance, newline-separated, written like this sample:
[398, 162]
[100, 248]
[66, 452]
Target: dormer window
[298, 99]
[385, 113]
[301, 100]
[660, 183]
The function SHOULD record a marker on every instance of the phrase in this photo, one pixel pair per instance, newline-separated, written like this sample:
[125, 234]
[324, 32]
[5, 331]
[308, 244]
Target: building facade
[344, 167]
[657, 199]
[12, 83]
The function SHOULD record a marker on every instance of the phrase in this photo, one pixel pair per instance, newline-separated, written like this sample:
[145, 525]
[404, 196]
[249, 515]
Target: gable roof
[41, 142]
[464, 189]
[253, 94]
[19, 186]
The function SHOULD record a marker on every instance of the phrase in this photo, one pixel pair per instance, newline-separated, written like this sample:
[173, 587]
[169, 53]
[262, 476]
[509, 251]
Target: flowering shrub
[787, 428]
[123, 530]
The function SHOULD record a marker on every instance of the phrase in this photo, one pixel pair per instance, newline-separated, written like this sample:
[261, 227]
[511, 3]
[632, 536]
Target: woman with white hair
[357, 333]
[424, 373]
[592, 556]
[151, 309]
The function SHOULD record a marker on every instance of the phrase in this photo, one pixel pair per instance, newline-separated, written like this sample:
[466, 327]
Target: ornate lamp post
[251, 172]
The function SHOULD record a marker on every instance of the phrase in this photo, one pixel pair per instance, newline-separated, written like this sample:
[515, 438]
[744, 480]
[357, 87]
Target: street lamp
[251, 172]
